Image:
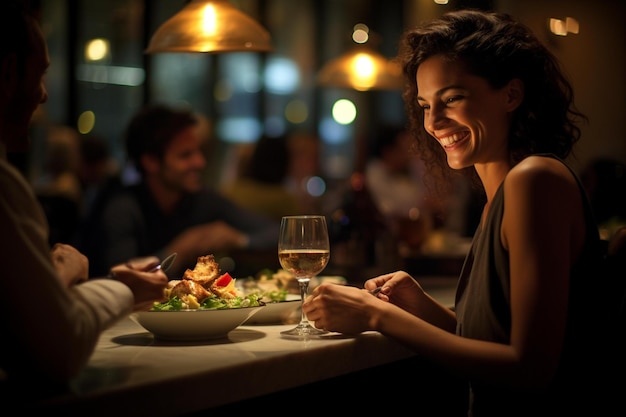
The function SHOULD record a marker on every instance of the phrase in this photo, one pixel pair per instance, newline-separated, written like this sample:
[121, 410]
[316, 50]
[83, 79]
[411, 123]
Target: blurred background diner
[261, 183]
[300, 86]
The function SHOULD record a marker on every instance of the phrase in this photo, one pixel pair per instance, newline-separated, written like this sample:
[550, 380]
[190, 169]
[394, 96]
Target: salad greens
[210, 303]
[271, 296]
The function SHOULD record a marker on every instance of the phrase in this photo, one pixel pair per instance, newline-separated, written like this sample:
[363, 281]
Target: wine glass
[303, 250]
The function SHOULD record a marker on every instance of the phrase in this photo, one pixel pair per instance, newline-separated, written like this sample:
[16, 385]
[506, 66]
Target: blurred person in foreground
[528, 329]
[51, 315]
[170, 209]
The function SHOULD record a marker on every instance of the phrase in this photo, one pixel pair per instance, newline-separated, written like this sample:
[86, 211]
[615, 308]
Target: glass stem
[304, 289]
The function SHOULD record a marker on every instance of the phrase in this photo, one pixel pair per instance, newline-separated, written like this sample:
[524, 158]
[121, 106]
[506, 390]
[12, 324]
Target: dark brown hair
[152, 129]
[497, 48]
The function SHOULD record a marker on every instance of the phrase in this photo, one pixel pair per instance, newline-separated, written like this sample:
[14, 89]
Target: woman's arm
[543, 240]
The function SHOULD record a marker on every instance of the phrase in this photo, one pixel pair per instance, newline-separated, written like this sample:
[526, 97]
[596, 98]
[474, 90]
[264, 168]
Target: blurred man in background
[170, 209]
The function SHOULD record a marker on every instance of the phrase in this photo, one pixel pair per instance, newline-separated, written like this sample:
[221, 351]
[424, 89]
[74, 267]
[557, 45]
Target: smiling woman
[484, 94]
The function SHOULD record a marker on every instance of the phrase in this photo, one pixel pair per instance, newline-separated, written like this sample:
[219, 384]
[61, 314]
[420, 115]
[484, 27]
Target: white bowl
[280, 312]
[194, 324]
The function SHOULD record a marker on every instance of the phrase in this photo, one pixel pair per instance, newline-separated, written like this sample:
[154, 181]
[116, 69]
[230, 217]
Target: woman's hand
[398, 288]
[71, 265]
[147, 287]
[341, 308]
[404, 291]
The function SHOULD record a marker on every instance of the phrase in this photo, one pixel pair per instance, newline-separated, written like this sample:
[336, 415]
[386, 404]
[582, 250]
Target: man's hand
[147, 287]
[71, 265]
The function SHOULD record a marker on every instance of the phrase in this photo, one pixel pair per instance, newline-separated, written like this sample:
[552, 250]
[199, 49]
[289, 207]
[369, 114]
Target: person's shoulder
[17, 196]
[542, 181]
[11, 180]
[541, 171]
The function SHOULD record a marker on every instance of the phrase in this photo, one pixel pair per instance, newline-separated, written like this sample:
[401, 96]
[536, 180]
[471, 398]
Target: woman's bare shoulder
[540, 172]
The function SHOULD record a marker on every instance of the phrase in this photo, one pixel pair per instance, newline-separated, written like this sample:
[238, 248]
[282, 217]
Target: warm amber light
[557, 26]
[563, 27]
[571, 25]
[97, 49]
[363, 66]
[361, 69]
[209, 20]
[210, 26]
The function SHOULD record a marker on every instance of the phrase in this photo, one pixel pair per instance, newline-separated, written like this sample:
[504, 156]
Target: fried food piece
[205, 271]
[189, 287]
[168, 289]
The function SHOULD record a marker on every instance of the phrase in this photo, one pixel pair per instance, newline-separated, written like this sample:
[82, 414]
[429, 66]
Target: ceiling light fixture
[210, 26]
[361, 68]
[562, 27]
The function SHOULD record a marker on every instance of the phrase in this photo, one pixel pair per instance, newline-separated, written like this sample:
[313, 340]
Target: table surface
[131, 370]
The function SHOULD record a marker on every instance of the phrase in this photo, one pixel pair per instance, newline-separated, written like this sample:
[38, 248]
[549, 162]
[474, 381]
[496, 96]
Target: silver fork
[165, 263]
[375, 291]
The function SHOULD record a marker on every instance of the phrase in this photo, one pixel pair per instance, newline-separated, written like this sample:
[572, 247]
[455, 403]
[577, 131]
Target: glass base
[303, 331]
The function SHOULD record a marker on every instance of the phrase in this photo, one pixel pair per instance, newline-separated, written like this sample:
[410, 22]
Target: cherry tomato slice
[223, 280]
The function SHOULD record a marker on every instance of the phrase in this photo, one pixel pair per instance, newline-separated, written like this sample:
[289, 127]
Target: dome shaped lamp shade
[210, 26]
[361, 69]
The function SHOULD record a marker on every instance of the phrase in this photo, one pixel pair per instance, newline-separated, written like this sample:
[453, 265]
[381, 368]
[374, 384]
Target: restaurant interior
[296, 80]
[291, 77]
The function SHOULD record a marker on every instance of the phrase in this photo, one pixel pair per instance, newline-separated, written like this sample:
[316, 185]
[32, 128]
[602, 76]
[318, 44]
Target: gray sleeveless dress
[483, 309]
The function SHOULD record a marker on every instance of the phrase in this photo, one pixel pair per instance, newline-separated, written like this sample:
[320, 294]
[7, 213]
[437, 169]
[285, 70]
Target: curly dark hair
[497, 48]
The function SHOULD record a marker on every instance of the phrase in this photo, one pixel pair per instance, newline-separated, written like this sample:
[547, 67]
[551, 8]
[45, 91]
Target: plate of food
[204, 304]
[280, 292]
[277, 312]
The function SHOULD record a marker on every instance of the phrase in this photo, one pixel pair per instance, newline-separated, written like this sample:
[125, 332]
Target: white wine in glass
[303, 250]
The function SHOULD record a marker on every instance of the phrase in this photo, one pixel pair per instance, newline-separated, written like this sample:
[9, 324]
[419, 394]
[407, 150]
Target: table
[131, 373]
[130, 370]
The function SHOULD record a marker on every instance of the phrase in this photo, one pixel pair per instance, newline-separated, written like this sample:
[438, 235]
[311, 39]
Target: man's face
[29, 91]
[183, 162]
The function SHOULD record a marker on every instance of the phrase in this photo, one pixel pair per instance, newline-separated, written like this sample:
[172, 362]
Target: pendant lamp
[210, 26]
[361, 68]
